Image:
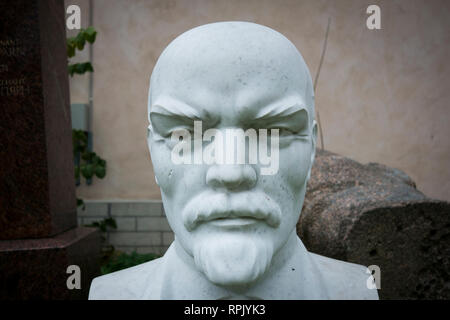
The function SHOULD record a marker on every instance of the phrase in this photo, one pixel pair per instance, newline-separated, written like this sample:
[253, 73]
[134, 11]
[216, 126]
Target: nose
[231, 177]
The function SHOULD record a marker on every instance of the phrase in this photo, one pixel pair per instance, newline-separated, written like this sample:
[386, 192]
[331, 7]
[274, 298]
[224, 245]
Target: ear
[149, 135]
[149, 139]
[313, 147]
[149, 130]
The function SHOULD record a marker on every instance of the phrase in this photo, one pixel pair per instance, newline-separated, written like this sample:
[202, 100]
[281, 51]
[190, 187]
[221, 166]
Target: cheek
[296, 161]
[287, 185]
[178, 182]
[165, 170]
[294, 165]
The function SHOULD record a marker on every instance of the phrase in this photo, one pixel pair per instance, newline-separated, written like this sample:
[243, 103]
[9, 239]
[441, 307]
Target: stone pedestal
[374, 215]
[39, 237]
[37, 268]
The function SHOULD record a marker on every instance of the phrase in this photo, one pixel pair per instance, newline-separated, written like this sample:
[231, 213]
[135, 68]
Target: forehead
[230, 67]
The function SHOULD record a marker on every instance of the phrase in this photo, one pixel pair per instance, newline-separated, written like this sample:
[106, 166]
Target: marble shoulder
[126, 284]
[344, 280]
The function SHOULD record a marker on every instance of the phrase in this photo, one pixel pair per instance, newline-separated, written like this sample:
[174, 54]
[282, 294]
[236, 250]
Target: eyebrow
[173, 107]
[170, 106]
[281, 108]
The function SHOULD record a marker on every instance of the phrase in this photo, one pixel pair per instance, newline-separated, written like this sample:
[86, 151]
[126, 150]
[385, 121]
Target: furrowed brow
[174, 108]
[280, 109]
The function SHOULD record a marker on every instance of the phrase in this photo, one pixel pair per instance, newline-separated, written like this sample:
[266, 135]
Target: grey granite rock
[374, 215]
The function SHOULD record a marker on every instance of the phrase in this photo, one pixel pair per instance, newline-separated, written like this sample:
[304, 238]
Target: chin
[232, 260]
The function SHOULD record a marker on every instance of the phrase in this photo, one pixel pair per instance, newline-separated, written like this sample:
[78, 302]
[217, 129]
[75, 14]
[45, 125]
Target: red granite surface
[36, 268]
[38, 234]
[37, 187]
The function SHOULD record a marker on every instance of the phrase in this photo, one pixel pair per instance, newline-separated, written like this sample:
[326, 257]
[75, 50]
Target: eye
[282, 132]
[177, 135]
[180, 131]
[285, 132]
[166, 126]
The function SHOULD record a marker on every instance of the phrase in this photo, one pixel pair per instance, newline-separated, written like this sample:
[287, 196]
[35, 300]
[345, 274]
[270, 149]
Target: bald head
[231, 65]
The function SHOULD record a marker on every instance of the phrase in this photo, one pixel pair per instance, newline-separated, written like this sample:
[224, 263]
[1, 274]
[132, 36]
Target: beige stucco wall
[383, 95]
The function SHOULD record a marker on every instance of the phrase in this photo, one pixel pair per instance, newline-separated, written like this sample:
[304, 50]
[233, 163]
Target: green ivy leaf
[102, 226]
[80, 202]
[90, 34]
[87, 171]
[88, 67]
[95, 159]
[110, 222]
[80, 68]
[81, 136]
[100, 172]
[87, 156]
[80, 40]
[71, 47]
[70, 51]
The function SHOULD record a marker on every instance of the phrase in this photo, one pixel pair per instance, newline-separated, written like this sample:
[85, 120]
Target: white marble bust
[234, 222]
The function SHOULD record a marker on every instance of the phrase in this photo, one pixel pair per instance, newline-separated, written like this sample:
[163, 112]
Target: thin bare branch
[324, 49]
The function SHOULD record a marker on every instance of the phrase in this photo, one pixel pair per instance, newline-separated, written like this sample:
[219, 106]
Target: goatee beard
[233, 260]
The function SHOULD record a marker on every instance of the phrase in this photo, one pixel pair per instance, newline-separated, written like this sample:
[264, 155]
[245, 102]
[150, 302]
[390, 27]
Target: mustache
[209, 206]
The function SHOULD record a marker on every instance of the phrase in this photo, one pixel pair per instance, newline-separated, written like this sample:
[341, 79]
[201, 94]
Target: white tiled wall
[141, 225]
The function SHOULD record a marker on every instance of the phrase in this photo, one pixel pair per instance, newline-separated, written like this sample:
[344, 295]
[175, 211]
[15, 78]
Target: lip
[233, 222]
